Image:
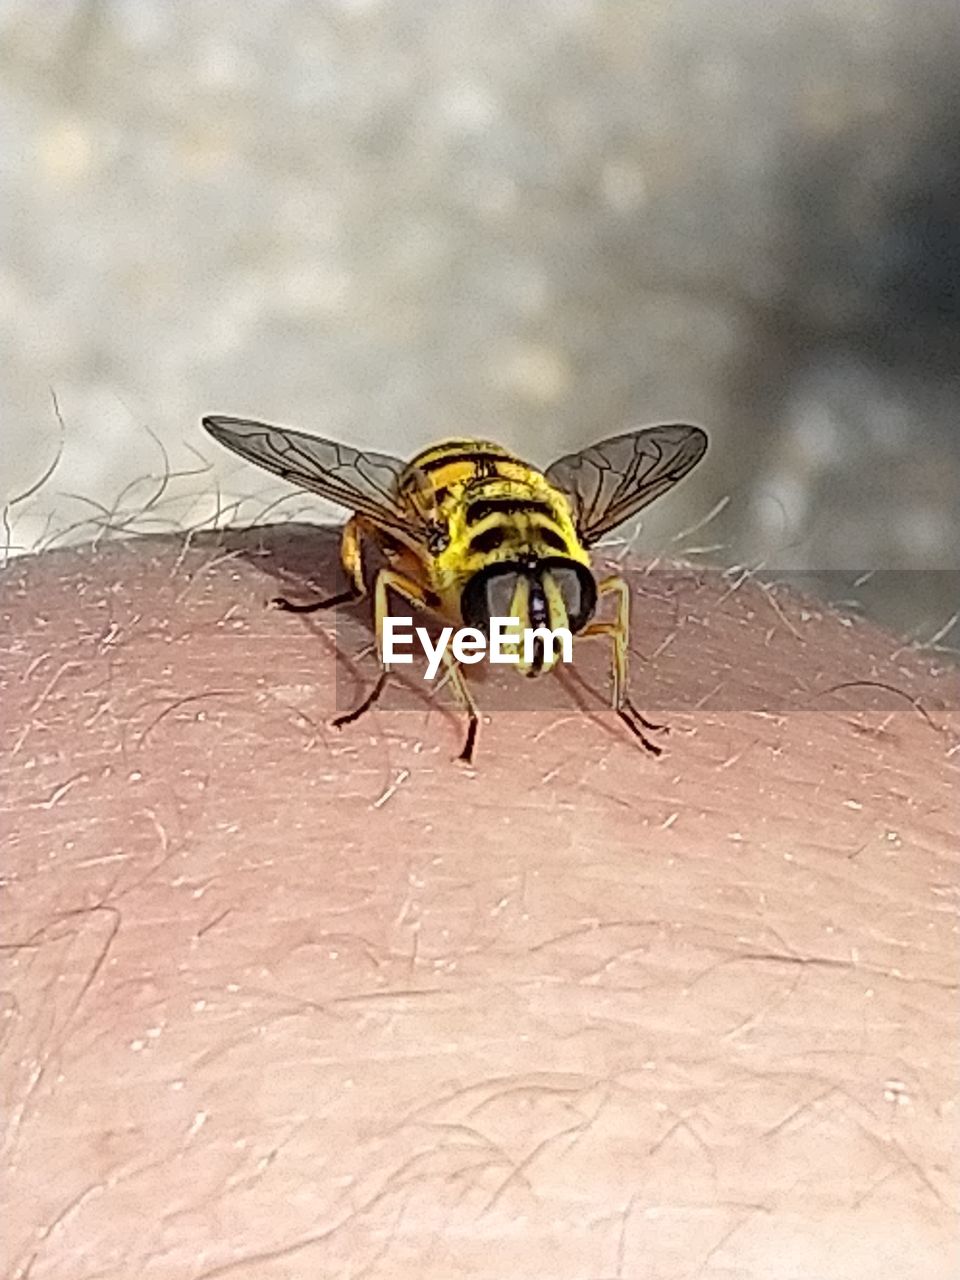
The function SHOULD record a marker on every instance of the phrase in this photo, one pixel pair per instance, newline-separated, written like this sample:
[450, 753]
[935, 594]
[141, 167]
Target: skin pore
[282, 1001]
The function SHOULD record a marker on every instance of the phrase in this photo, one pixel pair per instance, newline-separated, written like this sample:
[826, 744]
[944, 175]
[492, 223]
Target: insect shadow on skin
[467, 531]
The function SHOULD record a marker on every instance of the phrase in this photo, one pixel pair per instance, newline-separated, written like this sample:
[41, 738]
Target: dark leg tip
[349, 716]
[642, 719]
[313, 606]
[637, 732]
[466, 755]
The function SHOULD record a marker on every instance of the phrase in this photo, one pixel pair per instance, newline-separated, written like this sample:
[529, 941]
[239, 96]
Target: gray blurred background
[390, 220]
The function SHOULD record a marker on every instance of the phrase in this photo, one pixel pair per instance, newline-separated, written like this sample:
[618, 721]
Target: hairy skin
[282, 1001]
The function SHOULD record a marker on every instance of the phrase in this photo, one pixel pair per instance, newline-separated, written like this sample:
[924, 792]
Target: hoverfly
[470, 532]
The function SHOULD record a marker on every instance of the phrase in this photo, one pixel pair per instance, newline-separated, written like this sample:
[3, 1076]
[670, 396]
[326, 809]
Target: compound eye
[487, 595]
[578, 590]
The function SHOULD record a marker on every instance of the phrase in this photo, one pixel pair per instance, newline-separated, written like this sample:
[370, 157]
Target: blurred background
[390, 220]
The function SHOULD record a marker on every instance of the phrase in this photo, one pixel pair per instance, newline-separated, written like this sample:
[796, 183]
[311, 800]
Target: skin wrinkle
[656, 1001]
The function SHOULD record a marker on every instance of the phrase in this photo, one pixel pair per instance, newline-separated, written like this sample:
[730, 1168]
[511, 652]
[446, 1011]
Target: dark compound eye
[577, 588]
[488, 595]
[490, 592]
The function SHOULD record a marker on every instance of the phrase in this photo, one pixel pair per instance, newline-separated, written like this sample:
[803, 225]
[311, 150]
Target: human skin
[286, 1001]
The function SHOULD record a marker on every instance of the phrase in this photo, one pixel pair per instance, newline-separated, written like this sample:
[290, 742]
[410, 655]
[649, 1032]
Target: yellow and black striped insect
[469, 532]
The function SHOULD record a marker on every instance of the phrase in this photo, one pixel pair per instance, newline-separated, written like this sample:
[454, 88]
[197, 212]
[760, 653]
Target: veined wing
[364, 482]
[613, 480]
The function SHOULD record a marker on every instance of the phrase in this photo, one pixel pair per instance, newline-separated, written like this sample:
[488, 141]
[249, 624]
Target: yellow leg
[619, 633]
[351, 555]
[391, 580]
[419, 598]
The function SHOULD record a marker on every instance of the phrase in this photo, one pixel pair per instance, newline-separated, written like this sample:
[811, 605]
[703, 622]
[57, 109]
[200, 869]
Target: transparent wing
[364, 482]
[613, 480]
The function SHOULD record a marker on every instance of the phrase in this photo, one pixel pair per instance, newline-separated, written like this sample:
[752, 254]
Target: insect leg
[366, 704]
[413, 594]
[314, 606]
[392, 580]
[419, 598]
[465, 698]
[619, 632]
[352, 559]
